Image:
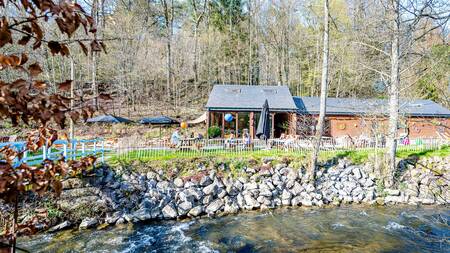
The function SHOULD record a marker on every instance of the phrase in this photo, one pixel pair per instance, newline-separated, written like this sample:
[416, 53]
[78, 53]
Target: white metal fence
[137, 147]
[61, 148]
[140, 148]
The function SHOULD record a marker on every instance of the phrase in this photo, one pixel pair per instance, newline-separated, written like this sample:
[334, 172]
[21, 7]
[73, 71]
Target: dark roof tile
[250, 97]
[354, 106]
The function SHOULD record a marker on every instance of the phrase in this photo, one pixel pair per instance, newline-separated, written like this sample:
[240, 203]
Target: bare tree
[94, 14]
[198, 15]
[323, 90]
[168, 10]
[391, 142]
[414, 27]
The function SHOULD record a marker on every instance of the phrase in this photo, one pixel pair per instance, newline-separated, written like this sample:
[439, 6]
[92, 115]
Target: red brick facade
[355, 126]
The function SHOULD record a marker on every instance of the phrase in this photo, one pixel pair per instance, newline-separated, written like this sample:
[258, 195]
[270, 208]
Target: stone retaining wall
[115, 197]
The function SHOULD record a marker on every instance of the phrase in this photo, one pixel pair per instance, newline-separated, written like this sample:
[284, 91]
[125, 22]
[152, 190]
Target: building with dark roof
[362, 117]
[244, 103]
[356, 106]
[296, 115]
[250, 98]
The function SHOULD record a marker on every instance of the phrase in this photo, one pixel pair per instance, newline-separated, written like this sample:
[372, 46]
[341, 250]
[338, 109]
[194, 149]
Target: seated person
[175, 138]
[229, 140]
[246, 139]
[290, 141]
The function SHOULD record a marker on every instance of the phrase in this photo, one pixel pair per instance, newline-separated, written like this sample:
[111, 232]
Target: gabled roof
[354, 106]
[159, 120]
[250, 98]
[108, 119]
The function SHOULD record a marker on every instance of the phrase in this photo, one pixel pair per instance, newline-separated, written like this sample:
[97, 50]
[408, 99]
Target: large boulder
[250, 202]
[210, 189]
[196, 211]
[214, 206]
[169, 211]
[88, 223]
[184, 207]
[178, 182]
[60, 226]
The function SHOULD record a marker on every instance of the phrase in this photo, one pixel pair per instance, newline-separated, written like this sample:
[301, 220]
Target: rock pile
[132, 197]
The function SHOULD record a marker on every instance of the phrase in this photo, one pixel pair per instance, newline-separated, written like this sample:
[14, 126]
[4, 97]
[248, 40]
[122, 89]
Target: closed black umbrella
[263, 130]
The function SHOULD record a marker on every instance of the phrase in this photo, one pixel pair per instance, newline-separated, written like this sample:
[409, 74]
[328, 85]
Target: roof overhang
[376, 114]
[229, 109]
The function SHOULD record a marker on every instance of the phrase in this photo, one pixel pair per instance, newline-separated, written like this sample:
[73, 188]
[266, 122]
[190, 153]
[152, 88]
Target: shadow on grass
[409, 157]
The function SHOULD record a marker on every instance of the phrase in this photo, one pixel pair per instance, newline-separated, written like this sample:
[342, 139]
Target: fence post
[82, 149]
[74, 149]
[25, 156]
[65, 150]
[103, 151]
[44, 152]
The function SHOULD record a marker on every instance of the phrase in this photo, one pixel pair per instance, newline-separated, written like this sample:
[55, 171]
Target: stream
[339, 229]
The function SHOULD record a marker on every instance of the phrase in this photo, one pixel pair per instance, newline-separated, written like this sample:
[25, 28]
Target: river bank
[142, 192]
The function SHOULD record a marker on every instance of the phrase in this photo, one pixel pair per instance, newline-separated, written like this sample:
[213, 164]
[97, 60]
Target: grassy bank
[356, 156]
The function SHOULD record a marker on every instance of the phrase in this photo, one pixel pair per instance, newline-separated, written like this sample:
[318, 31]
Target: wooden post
[272, 132]
[207, 123]
[223, 125]
[252, 125]
[237, 124]
[293, 123]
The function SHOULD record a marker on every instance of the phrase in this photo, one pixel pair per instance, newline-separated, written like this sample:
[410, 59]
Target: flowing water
[344, 229]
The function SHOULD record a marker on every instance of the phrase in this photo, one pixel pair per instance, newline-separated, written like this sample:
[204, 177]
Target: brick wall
[355, 126]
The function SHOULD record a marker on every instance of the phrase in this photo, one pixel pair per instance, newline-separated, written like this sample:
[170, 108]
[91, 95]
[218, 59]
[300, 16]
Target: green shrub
[214, 132]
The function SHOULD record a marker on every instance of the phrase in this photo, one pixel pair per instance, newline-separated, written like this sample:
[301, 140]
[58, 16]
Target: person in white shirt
[175, 138]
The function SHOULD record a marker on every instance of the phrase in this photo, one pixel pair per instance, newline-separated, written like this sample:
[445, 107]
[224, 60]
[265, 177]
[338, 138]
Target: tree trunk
[286, 55]
[299, 86]
[195, 65]
[94, 67]
[94, 84]
[169, 66]
[279, 63]
[391, 142]
[316, 66]
[72, 96]
[250, 68]
[168, 20]
[323, 93]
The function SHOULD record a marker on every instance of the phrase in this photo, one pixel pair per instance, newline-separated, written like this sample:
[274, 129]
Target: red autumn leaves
[27, 100]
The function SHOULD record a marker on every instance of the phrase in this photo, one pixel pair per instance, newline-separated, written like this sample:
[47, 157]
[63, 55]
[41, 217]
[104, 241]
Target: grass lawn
[144, 156]
[356, 156]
